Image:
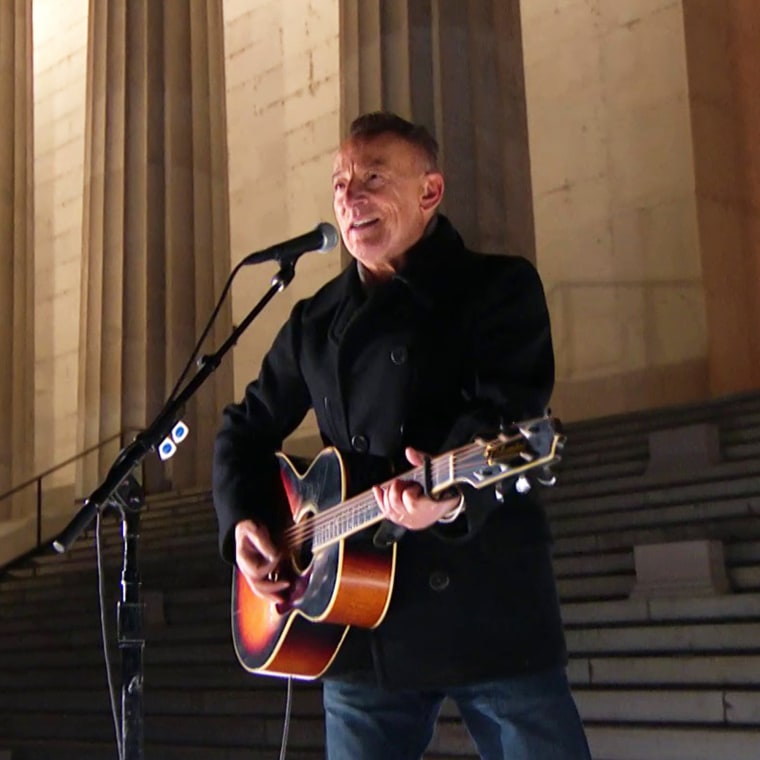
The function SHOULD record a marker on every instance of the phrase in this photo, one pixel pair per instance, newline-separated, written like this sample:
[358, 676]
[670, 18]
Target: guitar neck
[478, 464]
[362, 511]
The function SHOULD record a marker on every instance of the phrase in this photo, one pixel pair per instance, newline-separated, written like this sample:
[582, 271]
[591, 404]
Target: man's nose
[354, 190]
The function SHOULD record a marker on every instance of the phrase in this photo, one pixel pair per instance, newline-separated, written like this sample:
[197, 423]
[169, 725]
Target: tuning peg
[545, 476]
[522, 484]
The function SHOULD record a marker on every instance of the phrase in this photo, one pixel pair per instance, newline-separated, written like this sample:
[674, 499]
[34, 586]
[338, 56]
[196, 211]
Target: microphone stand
[121, 490]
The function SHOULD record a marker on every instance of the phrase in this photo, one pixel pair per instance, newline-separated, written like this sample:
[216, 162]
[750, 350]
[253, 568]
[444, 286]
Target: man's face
[383, 197]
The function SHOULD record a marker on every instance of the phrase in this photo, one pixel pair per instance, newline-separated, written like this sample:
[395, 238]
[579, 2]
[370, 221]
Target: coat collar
[432, 262]
[429, 266]
[428, 276]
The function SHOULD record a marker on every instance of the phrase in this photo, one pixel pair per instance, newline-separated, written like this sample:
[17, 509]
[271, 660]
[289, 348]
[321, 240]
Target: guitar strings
[441, 467]
[348, 511]
[297, 534]
[355, 506]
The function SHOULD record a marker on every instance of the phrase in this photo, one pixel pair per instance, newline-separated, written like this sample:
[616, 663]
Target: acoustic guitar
[336, 584]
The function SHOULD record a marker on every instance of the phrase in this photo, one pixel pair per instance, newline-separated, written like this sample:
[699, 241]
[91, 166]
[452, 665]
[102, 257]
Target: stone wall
[616, 220]
[645, 188]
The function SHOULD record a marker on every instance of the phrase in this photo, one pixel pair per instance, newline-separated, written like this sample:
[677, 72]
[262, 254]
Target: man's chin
[366, 251]
[370, 236]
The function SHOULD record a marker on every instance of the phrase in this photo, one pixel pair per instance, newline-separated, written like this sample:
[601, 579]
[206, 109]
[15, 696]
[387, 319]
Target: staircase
[199, 702]
[664, 676]
[655, 678]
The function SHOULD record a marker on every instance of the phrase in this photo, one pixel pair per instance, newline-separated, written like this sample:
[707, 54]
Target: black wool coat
[454, 346]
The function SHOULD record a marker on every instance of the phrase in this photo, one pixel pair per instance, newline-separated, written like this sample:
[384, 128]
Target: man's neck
[369, 278]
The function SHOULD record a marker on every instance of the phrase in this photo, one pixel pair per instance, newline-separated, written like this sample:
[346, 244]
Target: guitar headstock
[534, 444]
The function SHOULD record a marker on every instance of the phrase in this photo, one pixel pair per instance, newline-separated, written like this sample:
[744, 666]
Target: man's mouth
[363, 224]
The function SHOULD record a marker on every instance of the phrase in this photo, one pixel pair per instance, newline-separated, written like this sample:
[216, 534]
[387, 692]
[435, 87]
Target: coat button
[399, 355]
[439, 580]
[360, 443]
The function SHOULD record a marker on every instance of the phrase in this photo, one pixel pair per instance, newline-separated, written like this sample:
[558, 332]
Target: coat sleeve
[509, 369]
[244, 466]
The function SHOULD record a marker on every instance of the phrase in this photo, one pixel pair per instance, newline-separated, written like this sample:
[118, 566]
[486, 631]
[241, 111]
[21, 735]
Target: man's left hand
[404, 502]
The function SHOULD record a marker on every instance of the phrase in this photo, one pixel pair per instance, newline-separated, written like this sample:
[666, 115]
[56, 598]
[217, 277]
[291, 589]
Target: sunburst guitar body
[338, 586]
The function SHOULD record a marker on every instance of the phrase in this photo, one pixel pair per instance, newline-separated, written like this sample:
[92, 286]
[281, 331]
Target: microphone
[321, 239]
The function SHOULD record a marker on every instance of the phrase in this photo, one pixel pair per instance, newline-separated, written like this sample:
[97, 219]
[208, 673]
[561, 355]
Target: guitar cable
[286, 719]
[104, 638]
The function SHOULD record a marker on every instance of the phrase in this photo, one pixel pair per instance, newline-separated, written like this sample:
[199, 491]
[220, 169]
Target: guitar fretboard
[361, 511]
[361, 515]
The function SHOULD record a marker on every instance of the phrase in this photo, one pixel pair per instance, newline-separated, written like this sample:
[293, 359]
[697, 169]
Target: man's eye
[339, 186]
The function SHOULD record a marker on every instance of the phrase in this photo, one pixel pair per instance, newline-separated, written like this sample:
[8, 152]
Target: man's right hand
[257, 559]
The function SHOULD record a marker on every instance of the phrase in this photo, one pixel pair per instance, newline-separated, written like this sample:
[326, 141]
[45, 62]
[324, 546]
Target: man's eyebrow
[377, 163]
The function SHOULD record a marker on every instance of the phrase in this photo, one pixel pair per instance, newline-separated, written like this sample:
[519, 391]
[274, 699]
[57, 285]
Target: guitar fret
[353, 517]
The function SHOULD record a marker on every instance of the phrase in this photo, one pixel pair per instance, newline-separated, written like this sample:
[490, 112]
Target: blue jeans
[522, 718]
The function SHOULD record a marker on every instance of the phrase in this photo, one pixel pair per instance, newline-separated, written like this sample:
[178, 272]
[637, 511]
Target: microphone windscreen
[329, 236]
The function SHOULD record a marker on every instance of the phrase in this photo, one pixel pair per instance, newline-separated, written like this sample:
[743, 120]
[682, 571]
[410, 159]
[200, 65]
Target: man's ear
[432, 193]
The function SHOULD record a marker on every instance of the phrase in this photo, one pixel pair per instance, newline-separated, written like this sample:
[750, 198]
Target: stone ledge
[682, 568]
[684, 449]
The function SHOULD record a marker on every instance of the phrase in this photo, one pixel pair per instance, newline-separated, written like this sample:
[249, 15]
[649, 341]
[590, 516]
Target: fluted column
[456, 66]
[156, 230]
[16, 250]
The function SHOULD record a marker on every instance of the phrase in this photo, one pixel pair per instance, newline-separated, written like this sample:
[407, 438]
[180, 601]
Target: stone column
[16, 251]
[156, 224]
[724, 77]
[456, 66]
